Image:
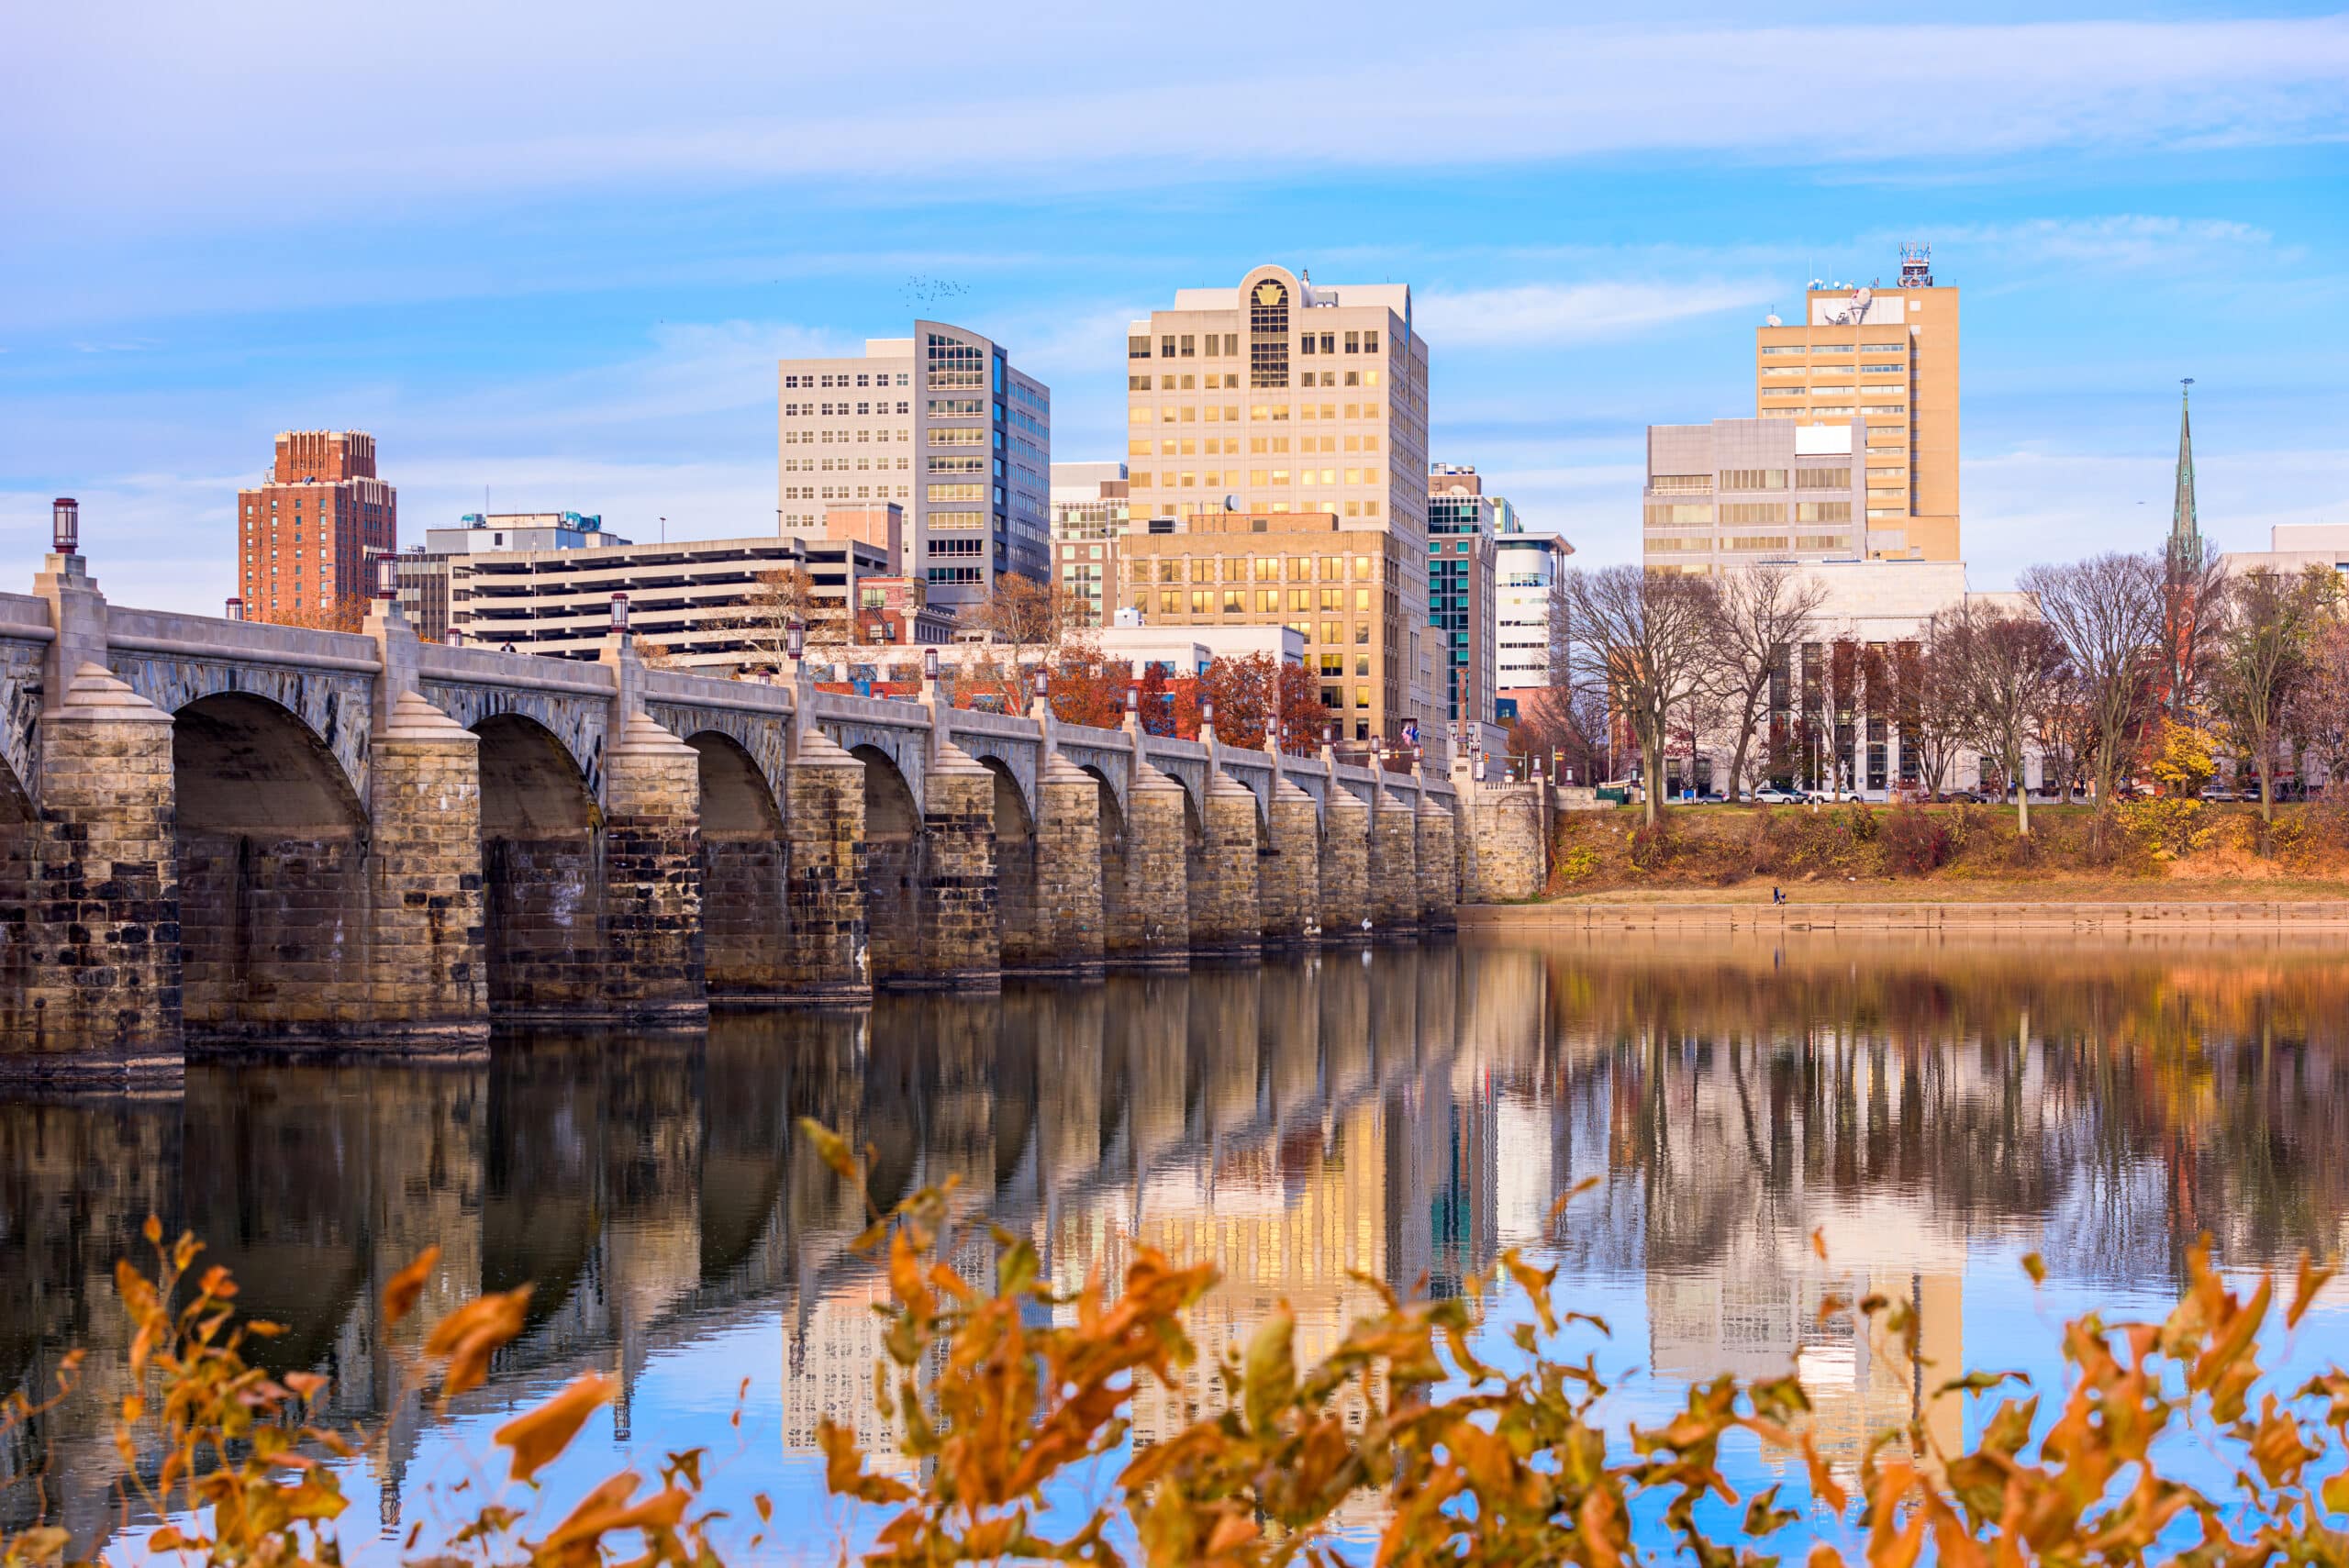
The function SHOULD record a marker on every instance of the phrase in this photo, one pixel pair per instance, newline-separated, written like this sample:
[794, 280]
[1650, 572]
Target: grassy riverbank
[2168, 851]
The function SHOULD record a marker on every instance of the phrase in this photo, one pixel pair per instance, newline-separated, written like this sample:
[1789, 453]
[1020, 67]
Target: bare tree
[1762, 614]
[1642, 639]
[2193, 596]
[2004, 670]
[1931, 712]
[1025, 615]
[2108, 612]
[2261, 653]
[777, 601]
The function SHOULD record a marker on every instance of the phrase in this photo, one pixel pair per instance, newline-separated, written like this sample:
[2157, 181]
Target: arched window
[1268, 334]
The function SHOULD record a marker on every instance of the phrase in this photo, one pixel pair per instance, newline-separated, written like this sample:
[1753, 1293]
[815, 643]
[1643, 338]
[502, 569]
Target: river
[1932, 1110]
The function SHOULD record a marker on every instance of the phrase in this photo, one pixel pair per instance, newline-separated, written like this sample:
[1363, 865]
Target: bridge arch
[1015, 866]
[895, 860]
[1116, 894]
[272, 837]
[16, 846]
[742, 869]
[542, 888]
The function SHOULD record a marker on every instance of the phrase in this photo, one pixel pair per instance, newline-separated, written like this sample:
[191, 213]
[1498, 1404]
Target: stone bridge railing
[222, 833]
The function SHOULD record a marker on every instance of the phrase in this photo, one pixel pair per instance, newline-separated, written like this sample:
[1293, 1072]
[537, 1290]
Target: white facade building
[943, 424]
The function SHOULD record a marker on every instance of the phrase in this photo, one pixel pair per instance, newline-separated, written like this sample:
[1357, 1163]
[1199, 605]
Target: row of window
[1894, 347]
[826, 465]
[1229, 413]
[1229, 446]
[842, 492]
[827, 380]
[1209, 344]
[826, 410]
[1144, 479]
[1260, 568]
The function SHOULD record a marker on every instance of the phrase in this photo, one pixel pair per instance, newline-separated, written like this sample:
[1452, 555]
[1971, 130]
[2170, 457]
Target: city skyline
[594, 318]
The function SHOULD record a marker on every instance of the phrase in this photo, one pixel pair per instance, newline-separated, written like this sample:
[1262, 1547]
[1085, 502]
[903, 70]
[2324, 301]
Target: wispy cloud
[671, 105]
[2128, 240]
[1574, 313]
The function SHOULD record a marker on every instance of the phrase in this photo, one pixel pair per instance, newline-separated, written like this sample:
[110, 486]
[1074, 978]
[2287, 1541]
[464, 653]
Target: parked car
[1962, 797]
[1834, 796]
[1771, 795]
[2220, 795]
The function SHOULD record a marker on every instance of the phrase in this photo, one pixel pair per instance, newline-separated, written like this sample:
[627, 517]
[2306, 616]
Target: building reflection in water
[1407, 1117]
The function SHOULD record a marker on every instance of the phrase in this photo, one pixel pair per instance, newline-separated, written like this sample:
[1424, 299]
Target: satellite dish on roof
[1772, 320]
[1861, 301]
[1232, 503]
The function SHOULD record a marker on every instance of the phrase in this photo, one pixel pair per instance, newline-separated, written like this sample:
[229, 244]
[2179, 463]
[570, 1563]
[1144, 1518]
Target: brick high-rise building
[307, 536]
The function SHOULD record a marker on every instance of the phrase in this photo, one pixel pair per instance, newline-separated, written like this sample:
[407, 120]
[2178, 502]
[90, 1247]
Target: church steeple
[2185, 529]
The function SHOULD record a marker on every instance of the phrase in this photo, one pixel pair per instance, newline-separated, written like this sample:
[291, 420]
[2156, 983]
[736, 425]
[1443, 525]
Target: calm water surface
[1936, 1110]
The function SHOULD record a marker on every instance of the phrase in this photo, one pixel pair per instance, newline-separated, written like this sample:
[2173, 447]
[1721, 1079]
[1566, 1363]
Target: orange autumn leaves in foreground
[1001, 1392]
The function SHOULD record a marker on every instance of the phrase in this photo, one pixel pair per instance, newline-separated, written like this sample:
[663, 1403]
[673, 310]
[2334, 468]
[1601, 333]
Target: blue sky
[554, 250]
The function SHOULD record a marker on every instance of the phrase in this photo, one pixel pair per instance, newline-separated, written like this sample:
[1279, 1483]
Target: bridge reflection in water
[1933, 1110]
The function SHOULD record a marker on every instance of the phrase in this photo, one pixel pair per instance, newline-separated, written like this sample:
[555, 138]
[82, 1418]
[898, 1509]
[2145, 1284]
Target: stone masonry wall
[1224, 909]
[1068, 871]
[1394, 865]
[105, 923]
[1345, 866]
[427, 970]
[1157, 877]
[954, 913]
[1503, 829]
[824, 896]
[1438, 867]
[542, 904]
[653, 964]
[1288, 880]
[274, 935]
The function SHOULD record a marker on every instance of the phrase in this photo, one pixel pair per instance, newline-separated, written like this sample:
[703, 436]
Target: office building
[1740, 491]
[308, 534]
[1884, 364]
[1338, 588]
[1463, 524]
[1282, 398]
[1529, 637]
[943, 424]
[424, 569]
[2293, 548]
[1189, 650]
[1090, 509]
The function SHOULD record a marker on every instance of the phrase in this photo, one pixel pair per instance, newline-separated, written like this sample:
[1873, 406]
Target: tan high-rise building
[1883, 362]
[1280, 399]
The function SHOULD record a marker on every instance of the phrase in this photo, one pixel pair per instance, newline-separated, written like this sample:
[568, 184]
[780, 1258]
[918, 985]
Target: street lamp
[65, 525]
[620, 615]
[794, 640]
[236, 607]
[1134, 699]
[1042, 688]
[456, 636]
[388, 577]
[929, 663]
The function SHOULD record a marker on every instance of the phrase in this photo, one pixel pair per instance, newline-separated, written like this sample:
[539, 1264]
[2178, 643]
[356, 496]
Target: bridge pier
[958, 944]
[1505, 856]
[102, 999]
[1438, 865]
[654, 963]
[1154, 931]
[1289, 869]
[1345, 864]
[1066, 918]
[426, 977]
[824, 898]
[1394, 864]
[1224, 918]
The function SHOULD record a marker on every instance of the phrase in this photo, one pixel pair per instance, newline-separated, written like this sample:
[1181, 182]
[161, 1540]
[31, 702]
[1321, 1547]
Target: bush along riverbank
[2173, 847]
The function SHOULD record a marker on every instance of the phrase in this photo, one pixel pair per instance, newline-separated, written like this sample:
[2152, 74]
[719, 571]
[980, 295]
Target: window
[1668, 484]
[1188, 341]
[1823, 511]
[1822, 542]
[1677, 514]
[1823, 478]
[1134, 384]
[1754, 512]
[1754, 479]
[1783, 349]
[1268, 334]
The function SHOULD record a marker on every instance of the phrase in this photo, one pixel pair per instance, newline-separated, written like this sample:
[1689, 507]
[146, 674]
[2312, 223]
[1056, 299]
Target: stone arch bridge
[219, 833]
